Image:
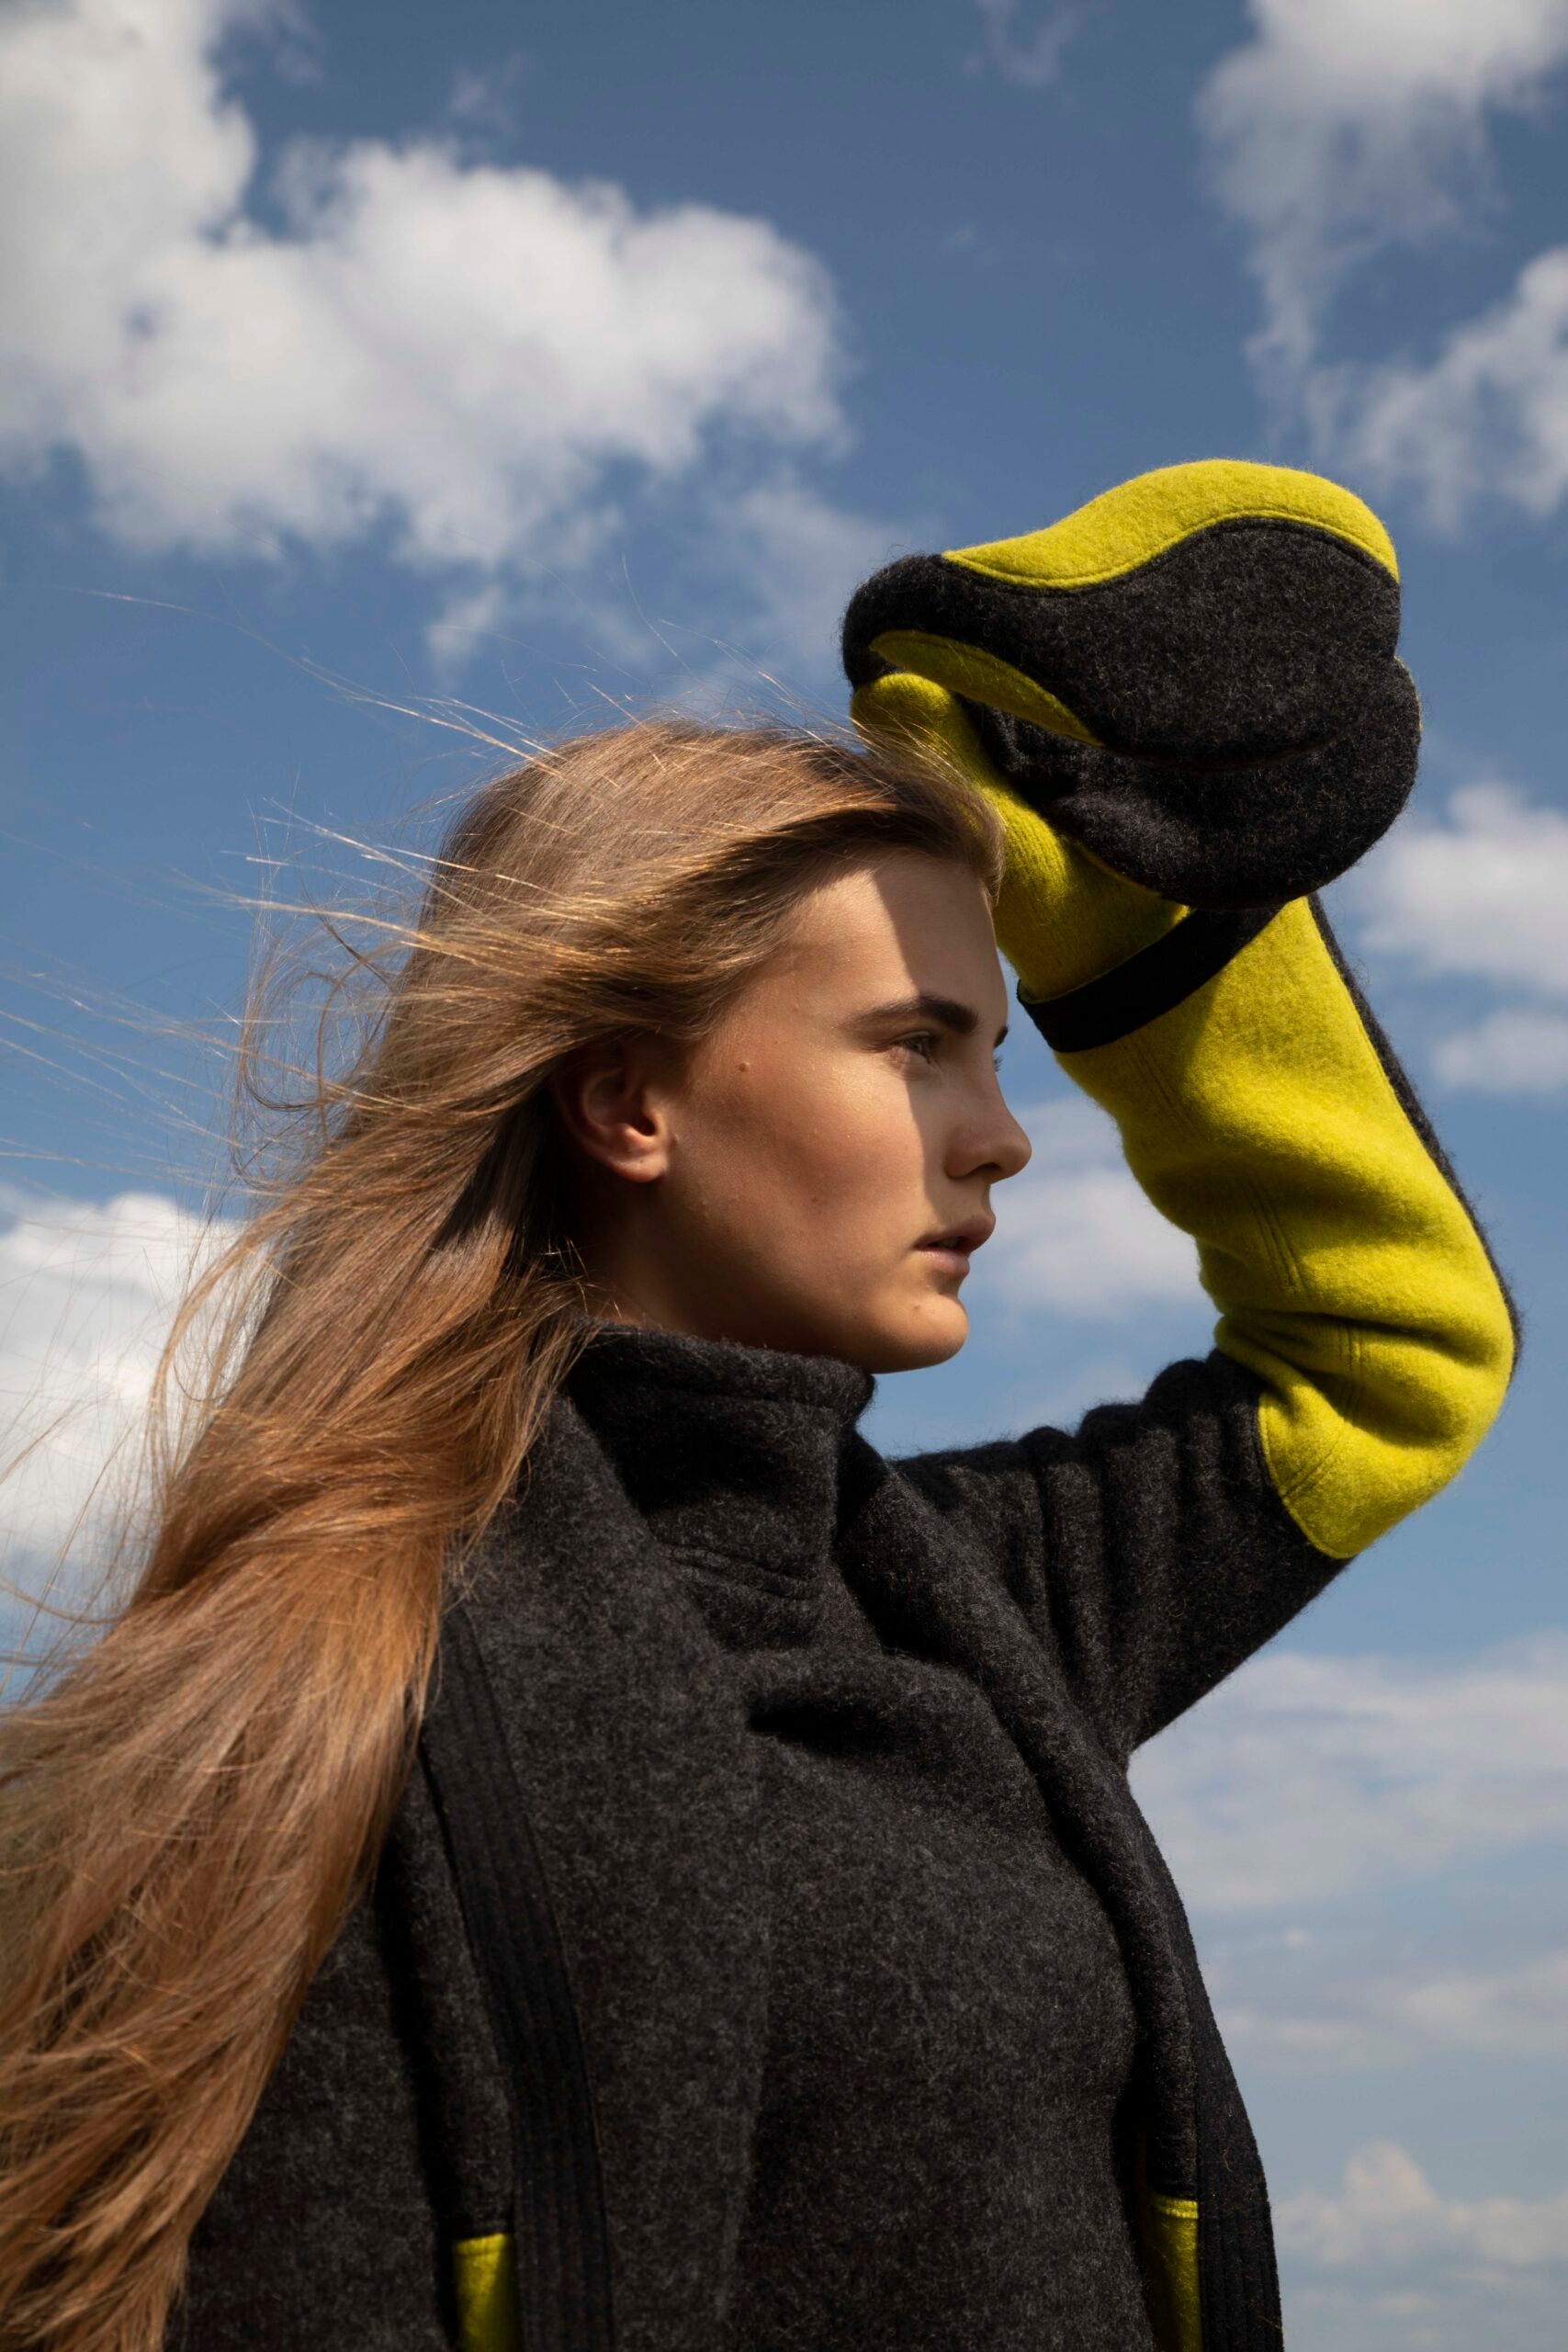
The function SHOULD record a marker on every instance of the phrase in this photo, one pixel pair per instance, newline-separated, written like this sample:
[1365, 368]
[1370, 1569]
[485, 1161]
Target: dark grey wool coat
[384, 2138]
[768, 1952]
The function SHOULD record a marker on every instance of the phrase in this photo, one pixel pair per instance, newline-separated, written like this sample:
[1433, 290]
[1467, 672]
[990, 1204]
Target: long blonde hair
[190, 1809]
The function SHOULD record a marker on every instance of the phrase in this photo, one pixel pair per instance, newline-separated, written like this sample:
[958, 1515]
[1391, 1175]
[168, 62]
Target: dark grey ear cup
[1253, 732]
[1213, 834]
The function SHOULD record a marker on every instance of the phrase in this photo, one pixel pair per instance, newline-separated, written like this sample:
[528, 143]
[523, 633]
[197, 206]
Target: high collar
[725, 1451]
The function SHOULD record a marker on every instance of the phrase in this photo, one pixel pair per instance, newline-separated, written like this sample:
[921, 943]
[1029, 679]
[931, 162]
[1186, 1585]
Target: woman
[567, 1847]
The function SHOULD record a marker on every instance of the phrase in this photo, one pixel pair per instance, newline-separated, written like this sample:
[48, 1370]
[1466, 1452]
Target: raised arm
[1364, 1340]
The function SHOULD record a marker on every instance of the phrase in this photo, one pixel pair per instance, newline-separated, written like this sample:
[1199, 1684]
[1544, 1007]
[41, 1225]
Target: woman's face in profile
[815, 1174]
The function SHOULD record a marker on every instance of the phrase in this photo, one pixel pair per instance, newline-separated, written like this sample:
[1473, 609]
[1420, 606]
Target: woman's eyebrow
[962, 1019]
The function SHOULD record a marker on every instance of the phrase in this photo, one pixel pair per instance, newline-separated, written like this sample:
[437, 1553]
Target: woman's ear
[612, 1101]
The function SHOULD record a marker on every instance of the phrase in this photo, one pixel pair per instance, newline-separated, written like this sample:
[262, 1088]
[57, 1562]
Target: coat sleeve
[1364, 1340]
[322, 2236]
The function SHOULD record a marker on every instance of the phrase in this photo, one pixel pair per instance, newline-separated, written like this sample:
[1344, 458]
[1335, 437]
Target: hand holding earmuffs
[1192, 679]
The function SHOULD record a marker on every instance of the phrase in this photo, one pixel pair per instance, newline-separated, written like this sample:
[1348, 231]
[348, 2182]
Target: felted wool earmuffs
[1193, 677]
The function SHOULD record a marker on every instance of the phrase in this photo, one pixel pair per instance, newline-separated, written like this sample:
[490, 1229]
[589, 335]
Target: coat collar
[724, 1450]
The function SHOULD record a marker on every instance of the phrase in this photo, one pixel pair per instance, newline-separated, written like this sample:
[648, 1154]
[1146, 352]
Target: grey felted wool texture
[1243, 641]
[381, 2136]
[1220, 835]
[1254, 731]
[324, 2230]
[877, 1969]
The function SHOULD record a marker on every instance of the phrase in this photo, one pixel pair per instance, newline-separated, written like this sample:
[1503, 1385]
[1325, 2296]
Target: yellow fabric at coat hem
[486, 2270]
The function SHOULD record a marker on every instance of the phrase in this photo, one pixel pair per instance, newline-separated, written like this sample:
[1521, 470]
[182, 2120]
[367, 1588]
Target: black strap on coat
[560, 2234]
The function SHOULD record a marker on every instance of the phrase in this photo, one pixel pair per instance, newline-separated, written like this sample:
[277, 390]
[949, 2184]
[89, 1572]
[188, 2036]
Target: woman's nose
[995, 1142]
[1016, 1150]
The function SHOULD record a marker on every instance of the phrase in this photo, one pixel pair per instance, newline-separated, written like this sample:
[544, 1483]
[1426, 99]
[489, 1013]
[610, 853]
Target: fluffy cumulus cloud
[1487, 415]
[1479, 896]
[1386, 2263]
[1387, 2211]
[87, 1291]
[1304, 1777]
[481, 362]
[1338, 128]
[1075, 1233]
[1480, 893]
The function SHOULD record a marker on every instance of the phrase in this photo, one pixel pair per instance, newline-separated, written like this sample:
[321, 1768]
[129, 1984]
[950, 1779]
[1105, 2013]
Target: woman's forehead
[910, 925]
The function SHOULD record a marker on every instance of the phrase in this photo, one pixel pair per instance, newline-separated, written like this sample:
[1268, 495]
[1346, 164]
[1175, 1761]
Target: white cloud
[805, 557]
[1386, 2264]
[1303, 1778]
[769, 568]
[1029, 52]
[1479, 895]
[1518, 1051]
[1387, 2215]
[87, 1292]
[485, 608]
[1487, 416]
[461, 354]
[1074, 1232]
[1340, 128]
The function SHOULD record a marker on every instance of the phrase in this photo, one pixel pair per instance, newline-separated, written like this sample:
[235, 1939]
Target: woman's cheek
[879, 1161]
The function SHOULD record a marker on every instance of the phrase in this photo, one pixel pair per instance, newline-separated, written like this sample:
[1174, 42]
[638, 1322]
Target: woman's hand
[1062, 918]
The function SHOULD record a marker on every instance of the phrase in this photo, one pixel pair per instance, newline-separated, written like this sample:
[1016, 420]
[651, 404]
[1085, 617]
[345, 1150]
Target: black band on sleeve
[1155, 981]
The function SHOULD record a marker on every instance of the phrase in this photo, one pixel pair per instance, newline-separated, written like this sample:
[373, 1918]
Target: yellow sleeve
[1261, 1111]
[1264, 1116]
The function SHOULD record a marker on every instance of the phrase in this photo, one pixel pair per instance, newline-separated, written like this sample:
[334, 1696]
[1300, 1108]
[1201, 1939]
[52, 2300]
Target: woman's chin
[928, 1334]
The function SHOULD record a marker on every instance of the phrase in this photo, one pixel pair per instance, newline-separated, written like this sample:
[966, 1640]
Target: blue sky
[371, 377]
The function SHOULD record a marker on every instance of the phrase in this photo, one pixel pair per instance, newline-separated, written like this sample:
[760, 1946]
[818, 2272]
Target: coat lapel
[630, 1742]
[930, 1589]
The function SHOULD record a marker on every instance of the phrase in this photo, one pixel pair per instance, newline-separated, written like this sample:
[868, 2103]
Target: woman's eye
[922, 1042]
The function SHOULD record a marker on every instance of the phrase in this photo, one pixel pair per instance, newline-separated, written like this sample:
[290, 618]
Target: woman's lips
[951, 1257]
